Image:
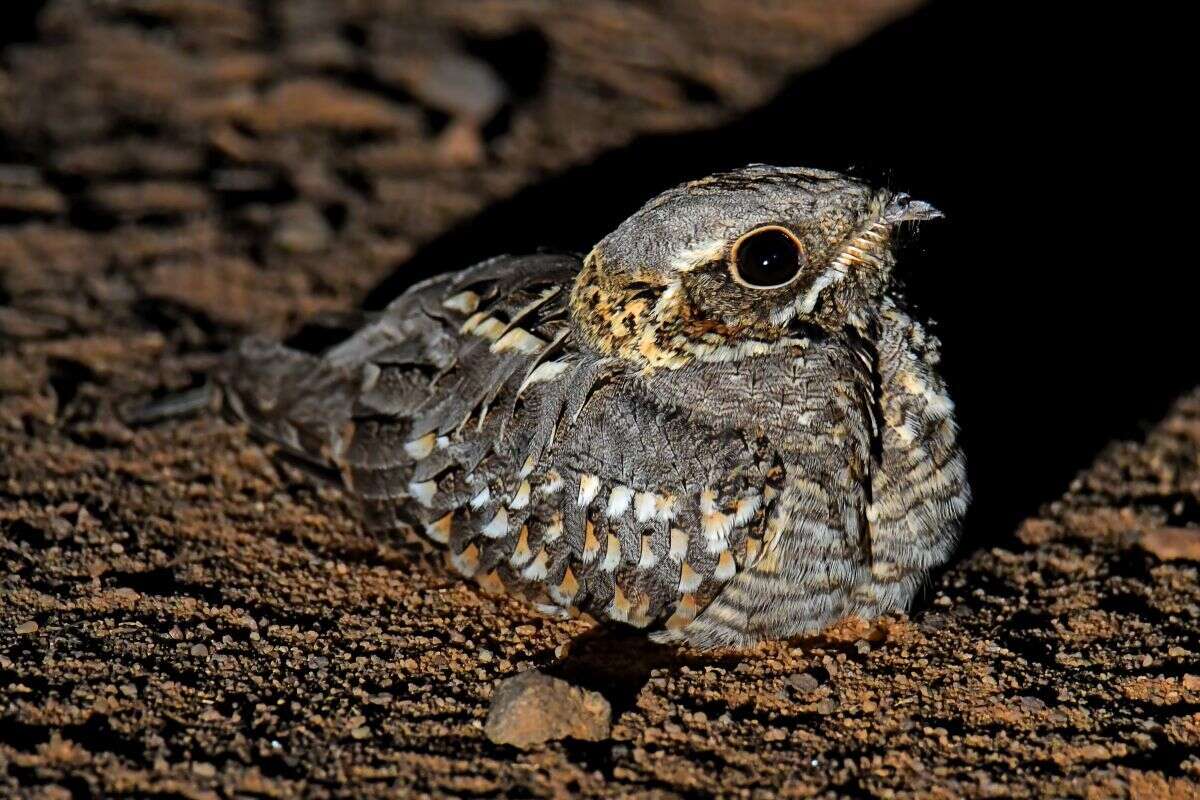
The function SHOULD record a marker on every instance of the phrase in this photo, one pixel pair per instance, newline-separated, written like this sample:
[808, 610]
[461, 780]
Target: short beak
[903, 208]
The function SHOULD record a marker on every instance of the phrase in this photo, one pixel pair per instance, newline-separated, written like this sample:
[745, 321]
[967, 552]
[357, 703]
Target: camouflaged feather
[636, 437]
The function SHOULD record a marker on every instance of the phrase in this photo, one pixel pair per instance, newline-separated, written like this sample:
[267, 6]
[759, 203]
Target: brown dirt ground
[180, 616]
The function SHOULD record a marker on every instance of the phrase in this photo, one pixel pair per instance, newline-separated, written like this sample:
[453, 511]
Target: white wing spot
[519, 340]
[679, 544]
[591, 545]
[664, 507]
[536, 571]
[466, 562]
[554, 529]
[745, 509]
[489, 328]
[482, 499]
[463, 302]
[554, 482]
[619, 500]
[498, 527]
[521, 552]
[618, 609]
[521, 498]
[418, 449]
[716, 527]
[644, 506]
[589, 487]
[648, 559]
[473, 322]
[547, 371]
[566, 590]
[689, 579]
[612, 555]
[439, 531]
[725, 567]
[423, 492]
[685, 612]
[527, 467]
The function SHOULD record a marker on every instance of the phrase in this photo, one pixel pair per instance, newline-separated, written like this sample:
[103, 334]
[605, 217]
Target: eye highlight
[766, 258]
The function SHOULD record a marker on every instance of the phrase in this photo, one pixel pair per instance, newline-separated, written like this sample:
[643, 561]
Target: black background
[1063, 279]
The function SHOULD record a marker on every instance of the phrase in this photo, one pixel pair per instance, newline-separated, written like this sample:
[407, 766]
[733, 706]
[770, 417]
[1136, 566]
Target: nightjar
[721, 426]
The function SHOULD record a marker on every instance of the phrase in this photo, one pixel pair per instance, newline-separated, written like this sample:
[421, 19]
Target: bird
[722, 425]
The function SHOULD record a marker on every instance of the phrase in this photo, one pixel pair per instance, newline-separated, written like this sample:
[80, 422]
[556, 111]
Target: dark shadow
[1059, 333]
[618, 661]
[592, 665]
[19, 21]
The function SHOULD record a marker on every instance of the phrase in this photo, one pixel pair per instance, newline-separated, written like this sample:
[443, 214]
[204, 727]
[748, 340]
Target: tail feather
[298, 401]
[175, 406]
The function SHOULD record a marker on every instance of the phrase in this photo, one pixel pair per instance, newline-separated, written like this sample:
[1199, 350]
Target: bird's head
[740, 264]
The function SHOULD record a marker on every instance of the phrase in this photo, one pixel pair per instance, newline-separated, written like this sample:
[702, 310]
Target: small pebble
[531, 708]
[802, 682]
[27, 628]
[1031, 704]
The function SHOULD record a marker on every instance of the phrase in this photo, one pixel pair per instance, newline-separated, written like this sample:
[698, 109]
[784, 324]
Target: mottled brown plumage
[721, 427]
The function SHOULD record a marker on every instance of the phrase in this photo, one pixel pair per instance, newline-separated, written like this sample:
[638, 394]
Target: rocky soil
[181, 616]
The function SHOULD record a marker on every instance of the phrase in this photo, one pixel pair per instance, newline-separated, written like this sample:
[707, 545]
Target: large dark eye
[767, 257]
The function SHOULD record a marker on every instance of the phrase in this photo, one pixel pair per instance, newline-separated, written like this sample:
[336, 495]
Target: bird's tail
[300, 402]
